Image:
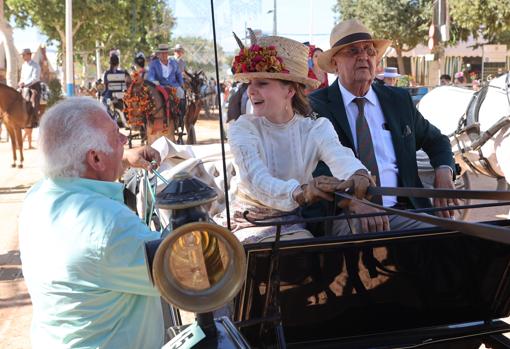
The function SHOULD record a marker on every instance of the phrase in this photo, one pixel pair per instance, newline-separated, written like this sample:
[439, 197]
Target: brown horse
[14, 112]
[153, 118]
[194, 103]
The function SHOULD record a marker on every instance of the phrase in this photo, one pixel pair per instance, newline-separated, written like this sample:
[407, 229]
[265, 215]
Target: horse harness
[469, 125]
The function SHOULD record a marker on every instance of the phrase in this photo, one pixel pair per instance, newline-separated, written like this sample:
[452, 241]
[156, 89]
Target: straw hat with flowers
[344, 34]
[273, 57]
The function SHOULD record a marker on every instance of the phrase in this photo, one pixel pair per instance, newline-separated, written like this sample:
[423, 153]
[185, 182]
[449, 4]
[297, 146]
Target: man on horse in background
[179, 58]
[30, 87]
[166, 74]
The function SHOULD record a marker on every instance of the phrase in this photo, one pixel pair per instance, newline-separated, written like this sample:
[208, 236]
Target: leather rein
[479, 230]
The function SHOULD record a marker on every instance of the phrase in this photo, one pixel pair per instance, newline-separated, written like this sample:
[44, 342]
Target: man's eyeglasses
[356, 51]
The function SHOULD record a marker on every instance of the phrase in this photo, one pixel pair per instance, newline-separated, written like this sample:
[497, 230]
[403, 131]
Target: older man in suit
[379, 123]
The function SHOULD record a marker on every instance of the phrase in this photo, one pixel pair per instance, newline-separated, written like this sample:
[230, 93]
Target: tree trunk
[10, 51]
[400, 60]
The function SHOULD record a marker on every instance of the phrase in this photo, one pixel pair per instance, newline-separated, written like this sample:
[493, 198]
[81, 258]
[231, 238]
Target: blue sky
[301, 20]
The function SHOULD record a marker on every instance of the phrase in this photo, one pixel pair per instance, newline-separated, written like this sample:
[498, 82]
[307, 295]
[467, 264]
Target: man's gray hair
[66, 135]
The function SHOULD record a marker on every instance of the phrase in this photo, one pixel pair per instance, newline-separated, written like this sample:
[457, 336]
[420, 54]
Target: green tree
[200, 54]
[126, 25]
[488, 18]
[405, 22]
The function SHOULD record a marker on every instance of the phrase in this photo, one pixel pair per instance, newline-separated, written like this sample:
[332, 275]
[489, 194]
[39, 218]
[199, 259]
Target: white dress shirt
[30, 72]
[381, 138]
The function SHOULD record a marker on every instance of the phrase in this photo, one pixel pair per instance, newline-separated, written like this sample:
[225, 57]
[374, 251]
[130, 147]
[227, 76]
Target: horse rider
[30, 87]
[179, 57]
[139, 64]
[165, 73]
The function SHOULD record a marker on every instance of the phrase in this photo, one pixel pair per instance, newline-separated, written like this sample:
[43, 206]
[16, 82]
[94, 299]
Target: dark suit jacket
[409, 129]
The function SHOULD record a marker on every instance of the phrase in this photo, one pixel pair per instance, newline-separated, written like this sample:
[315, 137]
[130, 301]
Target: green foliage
[404, 81]
[55, 92]
[135, 25]
[405, 22]
[490, 18]
[199, 54]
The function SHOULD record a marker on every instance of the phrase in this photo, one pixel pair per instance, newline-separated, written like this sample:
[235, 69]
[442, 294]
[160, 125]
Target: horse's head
[195, 82]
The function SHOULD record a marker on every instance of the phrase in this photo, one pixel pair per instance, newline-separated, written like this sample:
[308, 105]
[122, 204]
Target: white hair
[67, 133]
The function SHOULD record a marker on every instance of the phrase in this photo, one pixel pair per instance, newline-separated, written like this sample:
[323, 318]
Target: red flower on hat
[256, 59]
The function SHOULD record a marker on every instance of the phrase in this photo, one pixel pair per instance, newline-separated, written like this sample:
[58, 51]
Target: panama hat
[346, 33]
[162, 48]
[26, 51]
[178, 47]
[273, 57]
[389, 72]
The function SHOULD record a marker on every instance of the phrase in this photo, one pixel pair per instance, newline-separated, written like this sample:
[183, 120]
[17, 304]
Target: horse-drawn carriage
[433, 288]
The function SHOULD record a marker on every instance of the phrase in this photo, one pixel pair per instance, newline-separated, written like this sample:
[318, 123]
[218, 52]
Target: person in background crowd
[476, 85]
[114, 69]
[179, 57]
[30, 87]
[390, 76]
[459, 79]
[314, 71]
[378, 71]
[445, 80]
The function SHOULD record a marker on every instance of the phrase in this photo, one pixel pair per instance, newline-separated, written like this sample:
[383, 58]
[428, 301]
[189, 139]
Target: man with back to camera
[82, 249]
[391, 128]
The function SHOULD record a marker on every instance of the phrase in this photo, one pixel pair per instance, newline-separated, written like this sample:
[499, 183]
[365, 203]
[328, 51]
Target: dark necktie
[366, 152]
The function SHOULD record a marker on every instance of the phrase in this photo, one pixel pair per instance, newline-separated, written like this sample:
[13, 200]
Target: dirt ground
[15, 306]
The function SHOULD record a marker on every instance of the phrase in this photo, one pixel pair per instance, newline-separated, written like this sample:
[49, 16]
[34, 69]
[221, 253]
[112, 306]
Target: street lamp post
[274, 18]
[69, 49]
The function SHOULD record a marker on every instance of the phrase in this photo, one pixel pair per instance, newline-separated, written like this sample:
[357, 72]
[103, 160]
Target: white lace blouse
[272, 160]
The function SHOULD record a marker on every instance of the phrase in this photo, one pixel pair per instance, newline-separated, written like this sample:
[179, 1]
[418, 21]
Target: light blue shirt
[83, 260]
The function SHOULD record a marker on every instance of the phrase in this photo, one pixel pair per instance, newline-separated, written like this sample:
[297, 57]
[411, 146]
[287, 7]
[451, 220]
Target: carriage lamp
[184, 197]
[197, 266]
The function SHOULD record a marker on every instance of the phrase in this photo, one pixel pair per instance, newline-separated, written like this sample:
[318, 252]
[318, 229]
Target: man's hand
[21, 85]
[142, 157]
[323, 187]
[443, 180]
[369, 224]
[358, 183]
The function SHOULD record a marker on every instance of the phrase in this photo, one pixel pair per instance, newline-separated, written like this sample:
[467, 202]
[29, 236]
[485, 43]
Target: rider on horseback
[166, 74]
[30, 87]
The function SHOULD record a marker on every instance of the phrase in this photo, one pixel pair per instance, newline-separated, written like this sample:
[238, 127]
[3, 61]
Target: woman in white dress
[277, 148]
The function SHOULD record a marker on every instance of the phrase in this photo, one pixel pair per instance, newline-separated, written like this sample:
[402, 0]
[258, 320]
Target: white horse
[469, 119]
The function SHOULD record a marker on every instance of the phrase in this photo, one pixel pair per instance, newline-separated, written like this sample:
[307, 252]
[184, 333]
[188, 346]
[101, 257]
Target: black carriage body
[386, 290]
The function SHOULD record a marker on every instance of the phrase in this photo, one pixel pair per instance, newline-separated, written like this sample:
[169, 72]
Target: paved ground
[15, 306]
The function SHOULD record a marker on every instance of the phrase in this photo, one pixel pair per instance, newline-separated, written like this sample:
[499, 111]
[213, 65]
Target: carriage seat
[117, 84]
